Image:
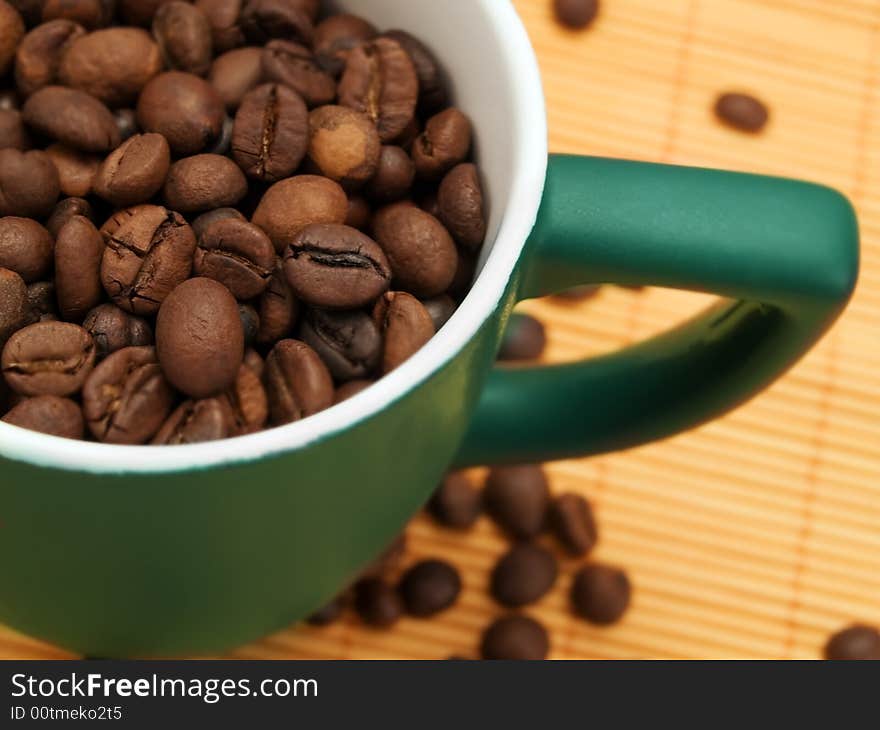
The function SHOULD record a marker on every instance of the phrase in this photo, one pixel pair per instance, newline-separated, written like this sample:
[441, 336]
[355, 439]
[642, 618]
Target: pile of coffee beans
[219, 216]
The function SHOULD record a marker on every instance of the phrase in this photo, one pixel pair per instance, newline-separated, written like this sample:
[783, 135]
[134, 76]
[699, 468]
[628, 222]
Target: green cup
[120, 551]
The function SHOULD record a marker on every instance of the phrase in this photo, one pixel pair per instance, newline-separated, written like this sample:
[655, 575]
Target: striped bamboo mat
[759, 534]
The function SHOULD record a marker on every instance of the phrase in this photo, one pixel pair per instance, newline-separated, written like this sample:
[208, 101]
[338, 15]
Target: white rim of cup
[530, 135]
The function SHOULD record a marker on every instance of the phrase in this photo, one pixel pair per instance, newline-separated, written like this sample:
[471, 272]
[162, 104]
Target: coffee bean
[429, 587]
[377, 603]
[328, 614]
[525, 574]
[76, 170]
[238, 255]
[445, 143]
[48, 414]
[73, 117]
[12, 130]
[121, 217]
[113, 329]
[184, 108]
[380, 81]
[126, 398]
[336, 36]
[13, 304]
[270, 135]
[279, 309]
[359, 213]
[524, 339]
[600, 594]
[146, 257]
[48, 358]
[223, 16]
[139, 12]
[576, 14]
[247, 401]
[348, 342]
[38, 58]
[293, 65]
[235, 73]
[405, 326]
[350, 390]
[90, 14]
[394, 176]
[126, 123]
[432, 86]
[199, 338]
[517, 498]
[206, 220]
[853, 643]
[336, 267]
[65, 210]
[195, 422]
[422, 254]
[184, 37]
[250, 323]
[41, 302]
[11, 33]
[297, 382]
[344, 145]
[571, 519]
[29, 184]
[25, 247]
[460, 199]
[440, 309]
[113, 65]
[262, 20]
[465, 273]
[292, 204]
[204, 182]
[78, 253]
[135, 171]
[742, 111]
[515, 637]
[456, 503]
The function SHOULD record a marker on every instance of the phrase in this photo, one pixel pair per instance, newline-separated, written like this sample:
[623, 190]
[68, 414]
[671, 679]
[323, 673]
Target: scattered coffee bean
[293, 65]
[204, 182]
[571, 519]
[445, 143]
[429, 587]
[524, 339]
[48, 414]
[38, 58]
[344, 145]
[76, 170]
[377, 603]
[349, 343]
[263, 20]
[742, 111]
[460, 200]
[12, 130]
[235, 73]
[65, 210]
[48, 358]
[11, 33]
[73, 117]
[223, 17]
[13, 304]
[517, 498]
[79, 250]
[515, 637]
[327, 615]
[440, 309]
[336, 36]
[853, 643]
[394, 176]
[523, 575]
[600, 594]
[350, 390]
[279, 309]
[135, 171]
[29, 184]
[91, 14]
[238, 255]
[456, 503]
[25, 247]
[184, 37]
[433, 95]
[576, 14]
[297, 382]
[405, 326]
[113, 329]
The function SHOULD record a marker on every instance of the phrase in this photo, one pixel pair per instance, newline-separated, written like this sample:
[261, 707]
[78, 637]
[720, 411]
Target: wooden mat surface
[757, 535]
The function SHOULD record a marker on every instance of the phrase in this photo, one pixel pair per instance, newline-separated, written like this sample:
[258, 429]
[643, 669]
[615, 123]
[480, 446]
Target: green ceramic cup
[120, 551]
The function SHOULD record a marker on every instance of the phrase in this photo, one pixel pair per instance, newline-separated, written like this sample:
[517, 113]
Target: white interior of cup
[494, 74]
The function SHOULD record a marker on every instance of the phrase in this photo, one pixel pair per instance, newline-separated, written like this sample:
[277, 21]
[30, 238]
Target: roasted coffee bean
[41, 302]
[11, 33]
[465, 273]
[380, 81]
[456, 503]
[126, 398]
[146, 257]
[48, 414]
[348, 342]
[29, 184]
[853, 643]
[113, 65]
[135, 171]
[48, 358]
[422, 254]
[113, 329]
[65, 210]
[121, 218]
[250, 323]
[206, 220]
[13, 304]
[344, 145]
[515, 637]
[394, 176]
[279, 309]
[204, 182]
[600, 594]
[224, 142]
[38, 58]
[445, 143]
[525, 574]
[405, 326]
[524, 339]
[235, 73]
[293, 65]
[90, 14]
[297, 382]
[440, 309]
[238, 255]
[336, 267]
[517, 498]
[576, 14]
[12, 130]
[460, 200]
[571, 519]
[73, 117]
[223, 17]
[78, 253]
[742, 111]
[262, 20]
[76, 170]
[377, 603]
[195, 422]
[270, 135]
[126, 123]
[336, 36]
[432, 86]
[25, 247]
[328, 614]
[199, 338]
[292, 204]
[359, 213]
[184, 108]
[248, 402]
[429, 587]
[184, 37]
[350, 390]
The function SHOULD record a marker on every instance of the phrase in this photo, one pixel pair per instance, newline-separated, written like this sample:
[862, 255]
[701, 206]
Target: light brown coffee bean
[294, 65]
[76, 170]
[29, 184]
[204, 182]
[238, 255]
[11, 33]
[65, 210]
[196, 422]
[206, 220]
[298, 384]
[48, 414]
[248, 402]
[344, 145]
[184, 37]
[460, 200]
[12, 130]
[405, 325]
[445, 143]
[48, 358]
[13, 304]
[79, 250]
[38, 58]
[73, 117]
[235, 73]
[279, 309]
[25, 247]
[135, 171]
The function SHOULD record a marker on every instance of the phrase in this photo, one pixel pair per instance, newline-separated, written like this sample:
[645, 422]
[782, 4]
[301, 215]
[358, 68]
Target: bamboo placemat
[759, 534]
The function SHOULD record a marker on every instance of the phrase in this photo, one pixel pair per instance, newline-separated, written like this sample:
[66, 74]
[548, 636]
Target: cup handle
[786, 252]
